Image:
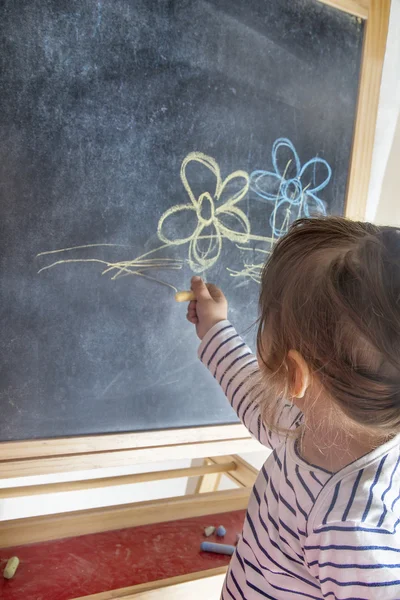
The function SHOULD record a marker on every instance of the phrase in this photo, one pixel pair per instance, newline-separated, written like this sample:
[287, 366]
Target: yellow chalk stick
[185, 296]
[11, 567]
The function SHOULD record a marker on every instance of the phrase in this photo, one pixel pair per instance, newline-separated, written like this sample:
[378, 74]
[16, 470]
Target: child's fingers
[192, 319]
[215, 293]
[200, 289]
[192, 311]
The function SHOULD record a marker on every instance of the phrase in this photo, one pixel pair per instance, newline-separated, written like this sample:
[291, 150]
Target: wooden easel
[23, 459]
[218, 446]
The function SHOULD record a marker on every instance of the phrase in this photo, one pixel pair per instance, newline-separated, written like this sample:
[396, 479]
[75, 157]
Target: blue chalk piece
[221, 531]
[217, 548]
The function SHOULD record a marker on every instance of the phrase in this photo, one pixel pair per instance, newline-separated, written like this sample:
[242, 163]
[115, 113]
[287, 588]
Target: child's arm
[232, 363]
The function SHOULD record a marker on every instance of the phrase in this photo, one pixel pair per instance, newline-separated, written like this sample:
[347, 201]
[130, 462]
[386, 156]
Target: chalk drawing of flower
[291, 187]
[210, 216]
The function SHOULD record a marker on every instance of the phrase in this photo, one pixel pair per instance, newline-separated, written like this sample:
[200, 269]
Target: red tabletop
[79, 566]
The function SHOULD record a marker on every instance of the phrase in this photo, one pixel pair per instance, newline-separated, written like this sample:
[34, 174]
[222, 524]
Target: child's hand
[209, 308]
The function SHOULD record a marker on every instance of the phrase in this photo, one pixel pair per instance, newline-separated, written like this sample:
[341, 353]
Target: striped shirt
[308, 533]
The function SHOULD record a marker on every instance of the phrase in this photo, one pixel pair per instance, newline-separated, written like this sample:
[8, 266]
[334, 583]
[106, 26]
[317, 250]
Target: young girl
[324, 394]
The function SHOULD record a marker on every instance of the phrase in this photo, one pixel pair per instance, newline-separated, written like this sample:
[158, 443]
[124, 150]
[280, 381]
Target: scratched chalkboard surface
[142, 141]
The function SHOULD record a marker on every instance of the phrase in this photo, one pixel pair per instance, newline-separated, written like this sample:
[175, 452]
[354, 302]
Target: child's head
[331, 292]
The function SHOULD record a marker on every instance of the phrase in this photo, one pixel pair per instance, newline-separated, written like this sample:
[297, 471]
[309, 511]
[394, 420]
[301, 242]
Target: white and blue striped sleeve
[235, 367]
[354, 562]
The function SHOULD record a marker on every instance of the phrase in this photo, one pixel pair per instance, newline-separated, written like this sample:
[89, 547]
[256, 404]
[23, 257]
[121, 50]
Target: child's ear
[299, 374]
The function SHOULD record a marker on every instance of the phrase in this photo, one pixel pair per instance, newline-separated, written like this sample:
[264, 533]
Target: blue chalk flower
[291, 187]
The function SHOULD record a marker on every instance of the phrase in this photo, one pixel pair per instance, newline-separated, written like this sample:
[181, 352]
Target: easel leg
[208, 483]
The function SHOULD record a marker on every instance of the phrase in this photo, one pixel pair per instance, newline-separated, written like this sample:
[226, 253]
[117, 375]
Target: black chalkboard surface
[150, 140]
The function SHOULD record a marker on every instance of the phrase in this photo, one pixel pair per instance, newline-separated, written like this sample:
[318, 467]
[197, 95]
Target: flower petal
[313, 206]
[283, 215]
[178, 218]
[315, 175]
[204, 175]
[285, 159]
[266, 184]
[205, 248]
[228, 222]
[232, 190]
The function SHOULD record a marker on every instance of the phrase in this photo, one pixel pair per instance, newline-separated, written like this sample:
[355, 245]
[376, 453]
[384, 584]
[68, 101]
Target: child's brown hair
[331, 291]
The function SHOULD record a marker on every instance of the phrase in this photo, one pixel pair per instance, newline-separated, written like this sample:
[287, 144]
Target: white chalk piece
[185, 296]
[217, 548]
[11, 567]
[221, 531]
[209, 530]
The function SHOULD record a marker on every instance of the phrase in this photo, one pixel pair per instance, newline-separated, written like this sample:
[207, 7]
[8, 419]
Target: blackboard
[112, 112]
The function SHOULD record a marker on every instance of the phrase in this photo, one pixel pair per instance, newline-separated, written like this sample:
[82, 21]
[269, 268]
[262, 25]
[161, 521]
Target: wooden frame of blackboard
[50, 456]
[41, 457]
